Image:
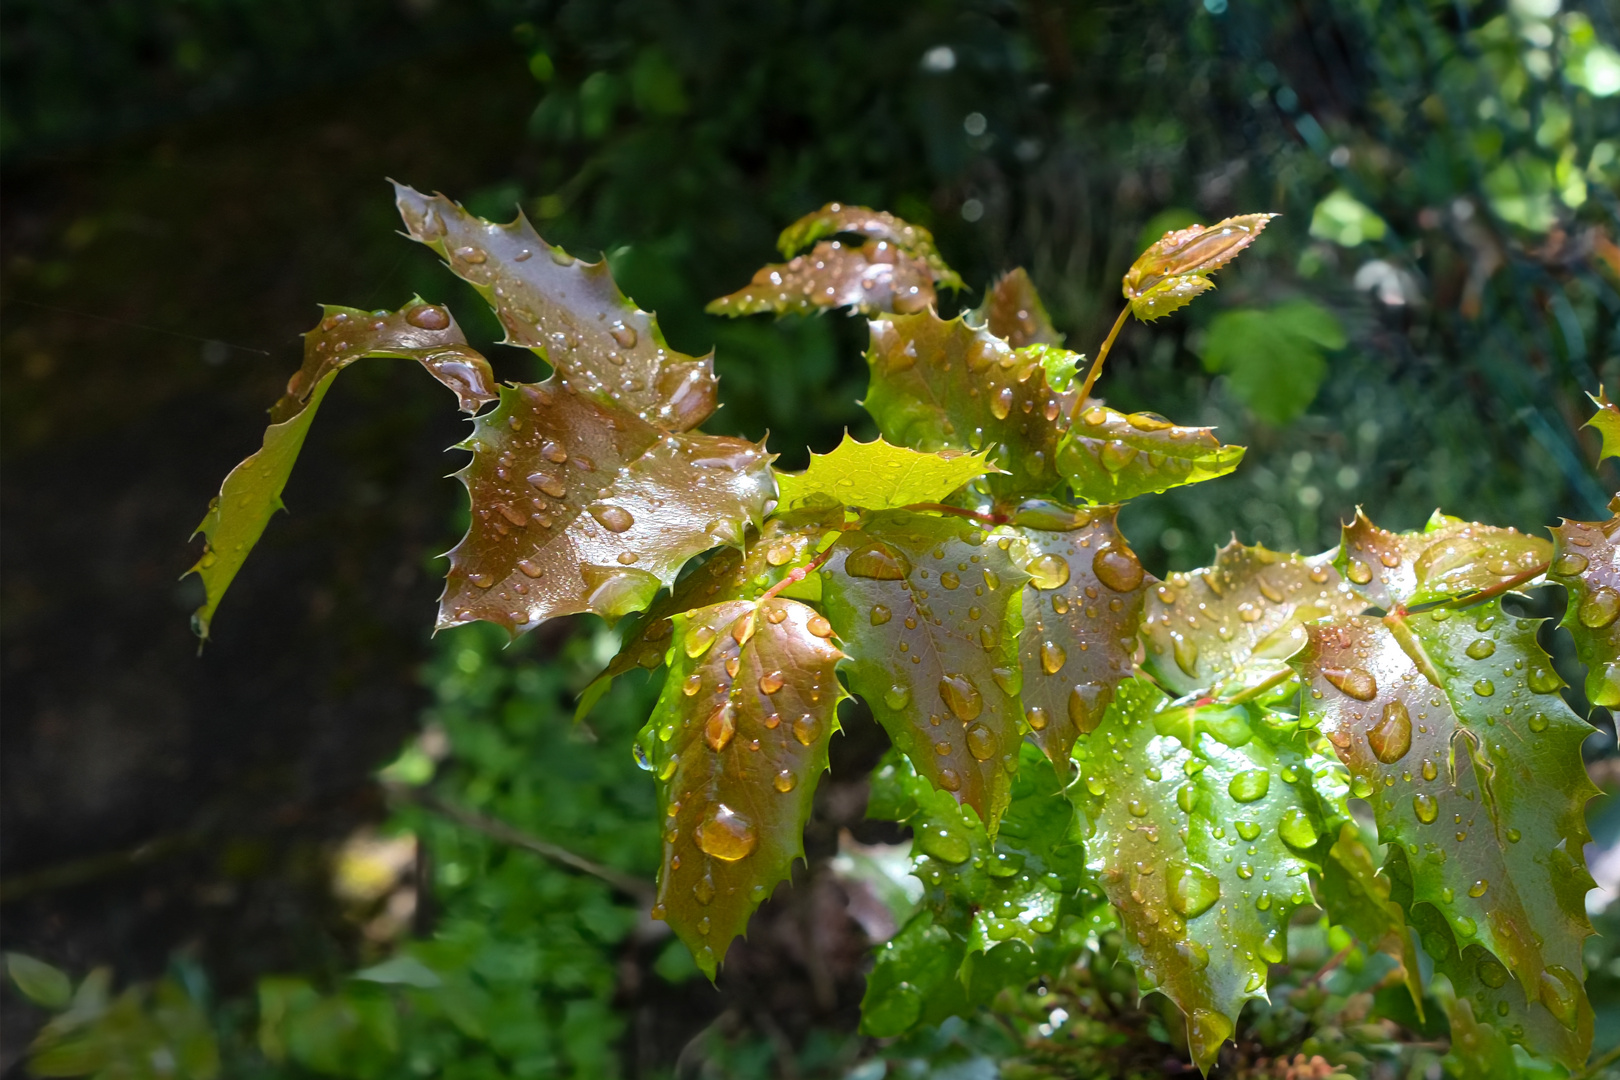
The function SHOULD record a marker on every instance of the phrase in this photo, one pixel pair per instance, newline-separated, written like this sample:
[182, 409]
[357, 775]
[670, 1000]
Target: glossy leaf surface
[928, 609]
[738, 740]
[878, 476]
[1173, 270]
[1448, 558]
[1355, 895]
[1109, 456]
[872, 277]
[878, 225]
[1606, 422]
[1012, 310]
[1586, 561]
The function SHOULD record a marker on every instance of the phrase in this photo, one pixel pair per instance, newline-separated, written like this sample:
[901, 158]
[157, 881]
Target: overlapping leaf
[872, 277]
[835, 218]
[1239, 620]
[1110, 456]
[1355, 895]
[1012, 310]
[1203, 847]
[738, 741]
[1081, 612]
[569, 313]
[1449, 558]
[928, 610]
[1453, 729]
[1586, 561]
[941, 384]
[251, 493]
[1175, 268]
[1606, 422]
[878, 476]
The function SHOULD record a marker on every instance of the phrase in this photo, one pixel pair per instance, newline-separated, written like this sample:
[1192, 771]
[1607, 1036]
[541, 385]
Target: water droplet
[698, 640]
[1116, 454]
[786, 781]
[1117, 567]
[943, 844]
[1052, 657]
[1355, 682]
[1296, 829]
[1569, 564]
[1513, 836]
[1037, 718]
[1478, 888]
[704, 889]
[961, 696]
[877, 560]
[949, 780]
[551, 485]
[1001, 403]
[470, 254]
[1560, 991]
[1538, 722]
[721, 726]
[806, 728]
[1600, 608]
[1544, 680]
[1048, 572]
[1484, 687]
[1185, 650]
[1207, 1030]
[613, 518]
[1248, 830]
[819, 626]
[483, 581]
[1250, 785]
[982, 742]
[1193, 955]
[1085, 718]
[428, 317]
[771, 683]
[897, 696]
[693, 683]
[1425, 808]
[625, 335]
[1360, 573]
[1392, 737]
[1429, 770]
[726, 834]
[949, 579]
[643, 762]
[1193, 890]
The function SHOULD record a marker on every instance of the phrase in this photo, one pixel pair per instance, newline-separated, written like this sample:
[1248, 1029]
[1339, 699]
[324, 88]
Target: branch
[1097, 364]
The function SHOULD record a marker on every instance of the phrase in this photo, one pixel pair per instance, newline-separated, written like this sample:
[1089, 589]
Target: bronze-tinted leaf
[1449, 558]
[928, 609]
[1012, 310]
[1240, 619]
[1453, 729]
[1081, 610]
[835, 218]
[1193, 250]
[872, 277]
[738, 741]
[577, 506]
[1586, 561]
[941, 384]
[1110, 456]
[568, 312]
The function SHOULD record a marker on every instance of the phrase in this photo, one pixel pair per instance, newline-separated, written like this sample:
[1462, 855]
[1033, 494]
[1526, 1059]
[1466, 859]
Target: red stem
[796, 575]
[1097, 364]
[941, 508]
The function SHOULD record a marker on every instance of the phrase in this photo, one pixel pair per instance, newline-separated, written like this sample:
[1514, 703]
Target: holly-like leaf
[916, 979]
[1356, 896]
[1240, 620]
[878, 476]
[1110, 456]
[1081, 611]
[1449, 558]
[1453, 729]
[928, 610]
[1203, 847]
[577, 506]
[1012, 310]
[738, 740]
[569, 313]
[251, 493]
[941, 384]
[1175, 268]
[872, 277]
[835, 218]
[1586, 561]
[1606, 422]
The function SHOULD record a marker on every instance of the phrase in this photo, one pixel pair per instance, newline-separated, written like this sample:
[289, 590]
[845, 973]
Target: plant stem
[1598, 1065]
[941, 508]
[796, 575]
[1259, 688]
[1097, 364]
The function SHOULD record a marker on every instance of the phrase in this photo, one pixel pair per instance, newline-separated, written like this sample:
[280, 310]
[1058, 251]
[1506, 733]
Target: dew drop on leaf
[770, 683]
[1429, 770]
[1047, 572]
[1249, 830]
[1037, 718]
[961, 697]
[949, 780]
[982, 742]
[1569, 564]
[1425, 808]
[1599, 609]
[1118, 569]
[880, 615]
[1543, 680]
[1484, 687]
[1052, 657]
[819, 626]
[613, 518]
[428, 317]
[1560, 991]
[785, 781]
[1296, 829]
[1478, 888]
[1250, 785]
[1481, 648]
[726, 834]
[1355, 682]
[1193, 890]
[943, 844]
[721, 726]
[1492, 973]
[693, 683]
[878, 561]
[1392, 737]
[698, 640]
[897, 696]
[806, 728]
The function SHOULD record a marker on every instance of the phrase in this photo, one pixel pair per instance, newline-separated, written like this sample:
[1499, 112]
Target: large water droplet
[819, 626]
[1569, 564]
[880, 615]
[428, 317]
[943, 844]
[1084, 717]
[1049, 572]
[1484, 687]
[770, 683]
[1250, 785]
[1481, 648]
[982, 742]
[1296, 829]
[1600, 608]
[1425, 808]
[1117, 567]
[1544, 680]
[726, 834]
[613, 518]
[806, 728]
[961, 696]
[721, 726]
[1193, 890]
[1001, 402]
[625, 335]
[1560, 991]
[1053, 657]
[897, 696]
[698, 640]
[877, 560]
[785, 781]
[1355, 682]
[1392, 737]
[1248, 830]
[1037, 718]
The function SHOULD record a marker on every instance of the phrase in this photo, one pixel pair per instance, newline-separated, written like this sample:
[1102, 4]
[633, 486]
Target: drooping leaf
[738, 740]
[251, 493]
[940, 384]
[835, 218]
[1012, 310]
[928, 610]
[1449, 558]
[1202, 846]
[1606, 422]
[1239, 621]
[569, 313]
[577, 506]
[1356, 896]
[1453, 729]
[879, 476]
[1081, 611]
[1273, 359]
[1110, 456]
[1175, 269]
[872, 277]
[1586, 561]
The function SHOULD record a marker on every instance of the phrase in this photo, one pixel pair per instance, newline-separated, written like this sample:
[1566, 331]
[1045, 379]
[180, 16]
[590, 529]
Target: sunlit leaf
[738, 740]
[1448, 558]
[1606, 422]
[1586, 561]
[1273, 359]
[1012, 310]
[872, 277]
[1170, 273]
[579, 507]
[878, 476]
[1239, 620]
[1453, 729]
[1169, 295]
[835, 218]
[1081, 611]
[569, 313]
[1204, 849]
[251, 493]
[928, 609]
[1110, 456]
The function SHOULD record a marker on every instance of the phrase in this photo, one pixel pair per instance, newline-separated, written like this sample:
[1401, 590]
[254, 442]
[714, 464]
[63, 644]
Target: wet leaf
[940, 384]
[872, 277]
[928, 611]
[1203, 848]
[1174, 270]
[1273, 359]
[738, 740]
[1356, 896]
[878, 476]
[577, 506]
[1012, 310]
[1586, 561]
[835, 218]
[1239, 621]
[1453, 729]
[251, 493]
[1110, 456]
[1081, 611]
[915, 979]
[1606, 422]
[569, 313]
[1449, 558]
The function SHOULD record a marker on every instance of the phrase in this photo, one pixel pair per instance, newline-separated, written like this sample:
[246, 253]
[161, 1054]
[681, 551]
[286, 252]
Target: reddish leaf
[1012, 310]
[879, 225]
[1586, 561]
[1449, 558]
[1174, 270]
[872, 277]
[1110, 456]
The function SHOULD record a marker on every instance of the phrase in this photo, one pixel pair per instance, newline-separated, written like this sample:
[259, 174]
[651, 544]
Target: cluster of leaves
[1077, 744]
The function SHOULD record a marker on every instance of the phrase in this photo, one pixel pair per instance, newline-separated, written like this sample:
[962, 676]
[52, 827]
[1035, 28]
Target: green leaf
[1586, 561]
[1012, 310]
[1170, 295]
[871, 277]
[915, 979]
[568, 313]
[738, 741]
[1606, 422]
[1109, 456]
[1346, 221]
[1453, 729]
[1449, 558]
[878, 225]
[1202, 847]
[940, 384]
[44, 985]
[878, 476]
[1356, 896]
[1239, 621]
[251, 493]
[1273, 360]
[1081, 611]
[928, 610]
[1175, 269]
[577, 506]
